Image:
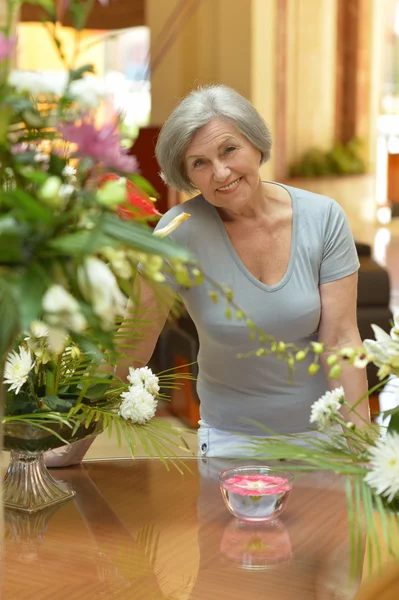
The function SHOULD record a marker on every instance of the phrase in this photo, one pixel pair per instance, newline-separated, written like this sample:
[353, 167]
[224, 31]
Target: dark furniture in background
[178, 343]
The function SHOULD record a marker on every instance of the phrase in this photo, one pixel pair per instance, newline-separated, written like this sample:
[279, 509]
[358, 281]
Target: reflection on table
[136, 530]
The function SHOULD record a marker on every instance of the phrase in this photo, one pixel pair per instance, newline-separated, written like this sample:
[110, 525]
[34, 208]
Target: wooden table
[138, 531]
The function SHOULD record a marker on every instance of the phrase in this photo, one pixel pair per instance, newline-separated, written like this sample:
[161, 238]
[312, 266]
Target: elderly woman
[287, 254]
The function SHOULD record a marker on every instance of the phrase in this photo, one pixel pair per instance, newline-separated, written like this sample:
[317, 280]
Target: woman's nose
[220, 171]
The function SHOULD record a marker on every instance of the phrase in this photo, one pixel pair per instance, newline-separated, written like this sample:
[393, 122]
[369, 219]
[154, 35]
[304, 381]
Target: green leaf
[144, 185]
[30, 207]
[19, 103]
[56, 165]
[97, 391]
[5, 119]
[11, 241]
[9, 317]
[81, 243]
[394, 423]
[89, 348]
[21, 403]
[75, 74]
[32, 175]
[30, 288]
[58, 404]
[79, 11]
[140, 238]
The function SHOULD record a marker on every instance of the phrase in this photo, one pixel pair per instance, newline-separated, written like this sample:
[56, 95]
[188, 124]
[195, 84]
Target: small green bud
[182, 277]
[301, 355]
[260, 352]
[75, 352]
[262, 338]
[49, 191]
[335, 372]
[347, 354]
[159, 277]
[198, 276]
[214, 296]
[317, 347]
[350, 425]
[227, 312]
[250, 324]
[273, 347]
[281, 346]
[313, 368]
[290, 361]
[240, 315]
[332, 359]
[229, 294]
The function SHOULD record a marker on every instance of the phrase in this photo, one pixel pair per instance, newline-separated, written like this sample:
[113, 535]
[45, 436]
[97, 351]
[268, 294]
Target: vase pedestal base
[28, 486]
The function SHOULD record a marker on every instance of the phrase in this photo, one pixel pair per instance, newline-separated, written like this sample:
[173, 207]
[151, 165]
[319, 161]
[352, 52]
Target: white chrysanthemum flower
[38, 330]
[137, 405]
[326, 407]
[17, 369]
[144, 377]
[39, 83]
[88, 92]
[384, 461]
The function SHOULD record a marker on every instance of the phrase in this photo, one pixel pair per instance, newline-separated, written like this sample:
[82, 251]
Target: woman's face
[223, 165]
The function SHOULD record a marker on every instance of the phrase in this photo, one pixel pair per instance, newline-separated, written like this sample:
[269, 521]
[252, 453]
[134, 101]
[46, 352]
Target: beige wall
[311, 74]
[225, 41]
[235, 42]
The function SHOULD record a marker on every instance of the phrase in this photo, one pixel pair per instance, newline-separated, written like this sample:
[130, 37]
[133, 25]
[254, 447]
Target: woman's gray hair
[193, 112]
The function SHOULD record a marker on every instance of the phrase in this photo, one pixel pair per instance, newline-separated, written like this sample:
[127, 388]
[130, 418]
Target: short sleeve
[339, 251]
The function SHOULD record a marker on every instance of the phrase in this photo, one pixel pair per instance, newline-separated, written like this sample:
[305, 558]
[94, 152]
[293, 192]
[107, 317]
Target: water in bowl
[255, 498]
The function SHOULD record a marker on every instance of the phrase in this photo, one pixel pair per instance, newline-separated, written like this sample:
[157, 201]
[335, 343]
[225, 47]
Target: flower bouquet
[75, 224]
[56, 398]
[368, 455]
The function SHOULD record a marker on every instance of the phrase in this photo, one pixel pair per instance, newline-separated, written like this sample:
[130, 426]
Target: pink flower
[257, 485]
[7, 45]
[102, 145]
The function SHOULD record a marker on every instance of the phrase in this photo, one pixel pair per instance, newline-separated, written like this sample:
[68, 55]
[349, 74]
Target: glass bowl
[255, 494]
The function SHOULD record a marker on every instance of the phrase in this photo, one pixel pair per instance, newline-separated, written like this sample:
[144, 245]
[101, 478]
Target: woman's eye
[229, 149]
[198, 163]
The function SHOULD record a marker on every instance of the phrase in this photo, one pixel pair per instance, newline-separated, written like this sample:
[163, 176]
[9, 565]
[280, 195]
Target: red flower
[142, 206]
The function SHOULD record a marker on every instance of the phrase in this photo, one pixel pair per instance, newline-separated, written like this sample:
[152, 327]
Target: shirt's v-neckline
[237, 259]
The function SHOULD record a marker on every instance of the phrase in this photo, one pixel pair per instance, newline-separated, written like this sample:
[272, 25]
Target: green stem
[57, 374]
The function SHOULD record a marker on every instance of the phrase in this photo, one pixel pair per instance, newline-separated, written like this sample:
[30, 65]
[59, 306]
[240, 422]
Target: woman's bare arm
[338, 329]
[144, 321]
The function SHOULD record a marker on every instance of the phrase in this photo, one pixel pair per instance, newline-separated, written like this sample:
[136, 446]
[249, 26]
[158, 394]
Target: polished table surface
[137, 530]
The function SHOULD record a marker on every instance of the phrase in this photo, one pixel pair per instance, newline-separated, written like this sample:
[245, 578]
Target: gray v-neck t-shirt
[232, 389]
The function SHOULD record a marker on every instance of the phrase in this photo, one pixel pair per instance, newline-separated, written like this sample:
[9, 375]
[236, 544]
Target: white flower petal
[326, 407]
[384, 462]
[137, 405]
[17, 368]
[144, 377]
